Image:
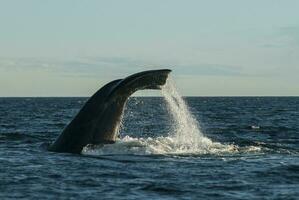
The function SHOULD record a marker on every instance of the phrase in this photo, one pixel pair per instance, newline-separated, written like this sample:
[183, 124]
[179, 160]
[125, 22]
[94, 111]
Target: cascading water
[186, 132]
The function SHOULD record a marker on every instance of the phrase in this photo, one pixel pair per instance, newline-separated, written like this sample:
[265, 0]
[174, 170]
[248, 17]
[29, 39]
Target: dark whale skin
[99, 119]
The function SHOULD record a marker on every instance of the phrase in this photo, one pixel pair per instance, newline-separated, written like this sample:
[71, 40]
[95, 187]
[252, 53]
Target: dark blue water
[267, 125]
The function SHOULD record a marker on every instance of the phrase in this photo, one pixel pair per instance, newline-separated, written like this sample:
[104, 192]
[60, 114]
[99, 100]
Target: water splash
[186, 132]
[184, 138]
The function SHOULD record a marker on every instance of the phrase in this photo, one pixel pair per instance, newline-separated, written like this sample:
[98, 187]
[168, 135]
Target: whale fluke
[99, 119]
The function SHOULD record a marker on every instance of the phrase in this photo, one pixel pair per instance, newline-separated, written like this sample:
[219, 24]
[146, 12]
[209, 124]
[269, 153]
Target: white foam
[158, 145]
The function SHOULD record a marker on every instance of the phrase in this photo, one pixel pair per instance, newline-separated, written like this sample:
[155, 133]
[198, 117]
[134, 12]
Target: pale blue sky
[215, 48]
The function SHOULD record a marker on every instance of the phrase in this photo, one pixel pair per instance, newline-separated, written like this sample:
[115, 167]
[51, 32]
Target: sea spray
[185, 129]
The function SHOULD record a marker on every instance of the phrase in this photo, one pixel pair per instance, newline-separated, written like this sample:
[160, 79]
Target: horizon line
[154, 96]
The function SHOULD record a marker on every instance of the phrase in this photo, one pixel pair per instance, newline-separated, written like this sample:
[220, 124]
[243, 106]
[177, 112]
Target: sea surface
[246, 148]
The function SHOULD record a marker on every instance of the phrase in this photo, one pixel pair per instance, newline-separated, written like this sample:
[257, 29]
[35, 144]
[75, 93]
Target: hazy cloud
[284, 37]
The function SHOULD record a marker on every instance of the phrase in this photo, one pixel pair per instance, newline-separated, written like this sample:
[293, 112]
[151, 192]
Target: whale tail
[99, 119]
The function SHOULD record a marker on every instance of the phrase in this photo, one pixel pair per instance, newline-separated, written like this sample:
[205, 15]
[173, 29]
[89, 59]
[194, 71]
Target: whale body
[98, 122]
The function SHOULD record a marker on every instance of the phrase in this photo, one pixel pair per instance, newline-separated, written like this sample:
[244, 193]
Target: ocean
[223, 148]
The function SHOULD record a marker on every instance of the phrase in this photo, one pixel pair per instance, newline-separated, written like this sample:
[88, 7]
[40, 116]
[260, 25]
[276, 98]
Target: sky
[215, 48]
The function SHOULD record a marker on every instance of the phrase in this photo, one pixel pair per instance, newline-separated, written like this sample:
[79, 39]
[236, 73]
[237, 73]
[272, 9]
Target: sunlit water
[206, 148]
